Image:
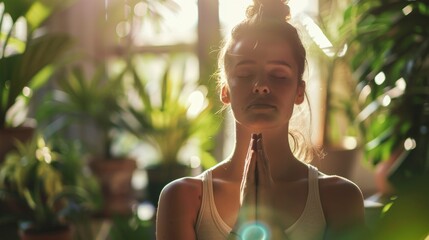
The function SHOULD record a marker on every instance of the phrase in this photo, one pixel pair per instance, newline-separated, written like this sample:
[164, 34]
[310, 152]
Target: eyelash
[252, 75]
[278, 77]
[245, 76]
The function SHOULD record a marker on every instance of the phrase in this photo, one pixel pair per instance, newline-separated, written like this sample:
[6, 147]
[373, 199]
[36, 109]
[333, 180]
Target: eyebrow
[274, 62]
[280, 62]
[245, 62]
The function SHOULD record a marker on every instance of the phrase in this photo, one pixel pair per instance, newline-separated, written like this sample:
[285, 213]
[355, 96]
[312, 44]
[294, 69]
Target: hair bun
[268, 9]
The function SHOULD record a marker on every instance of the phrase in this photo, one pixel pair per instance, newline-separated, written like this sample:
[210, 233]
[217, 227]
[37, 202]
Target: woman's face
[263, 84]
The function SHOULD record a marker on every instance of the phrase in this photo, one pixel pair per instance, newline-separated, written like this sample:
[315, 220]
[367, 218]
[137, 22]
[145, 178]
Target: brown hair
[270, 17]
[264, 17]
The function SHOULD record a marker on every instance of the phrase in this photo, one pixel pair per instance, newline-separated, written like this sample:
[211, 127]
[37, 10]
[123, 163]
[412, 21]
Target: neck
[276, 146]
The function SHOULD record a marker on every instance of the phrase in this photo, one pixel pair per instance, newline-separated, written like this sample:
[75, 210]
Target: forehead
[270, 48]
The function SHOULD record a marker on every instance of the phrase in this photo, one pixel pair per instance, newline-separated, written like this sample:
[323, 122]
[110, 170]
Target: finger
[262, 158]
[256, 152]
[252, 159]
[247, 188]
[247, 182]
[254, 140]
[264, 173]
[250, 150]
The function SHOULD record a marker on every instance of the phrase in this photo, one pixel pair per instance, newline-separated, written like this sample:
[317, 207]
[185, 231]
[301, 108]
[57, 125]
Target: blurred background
[102, 103]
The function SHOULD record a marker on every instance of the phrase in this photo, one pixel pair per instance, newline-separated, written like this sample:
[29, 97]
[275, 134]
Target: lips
[261, 106]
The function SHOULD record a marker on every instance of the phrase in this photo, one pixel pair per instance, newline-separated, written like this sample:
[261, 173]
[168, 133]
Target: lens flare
[255, 231]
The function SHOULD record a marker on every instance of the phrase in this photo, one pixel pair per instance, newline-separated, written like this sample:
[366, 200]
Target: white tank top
[310, 225]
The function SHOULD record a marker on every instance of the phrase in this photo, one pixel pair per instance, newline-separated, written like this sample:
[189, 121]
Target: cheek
[238, 87]
[233, 93]
[234, 83]
[287, 95]
[238, 95]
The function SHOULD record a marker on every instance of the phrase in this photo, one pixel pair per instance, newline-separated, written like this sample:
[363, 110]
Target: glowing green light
[255, 231]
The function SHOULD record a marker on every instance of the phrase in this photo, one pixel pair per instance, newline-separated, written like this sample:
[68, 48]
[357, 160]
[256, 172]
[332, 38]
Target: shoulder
[188, 189]
[339, 188]
[342, 202]
[178, 208]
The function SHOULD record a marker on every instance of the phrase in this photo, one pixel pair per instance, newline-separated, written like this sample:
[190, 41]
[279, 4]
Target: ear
[300, 95]
[224, 94]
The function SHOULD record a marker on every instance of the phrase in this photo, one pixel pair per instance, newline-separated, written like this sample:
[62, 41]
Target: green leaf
[13, 43]
[37, 14]
[29, 198]
[41, 77]
[17, 8]
[20, 69]
[139, 84]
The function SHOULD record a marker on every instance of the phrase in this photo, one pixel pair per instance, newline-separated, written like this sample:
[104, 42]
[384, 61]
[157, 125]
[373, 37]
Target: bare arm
[178, 210]
[343, 207]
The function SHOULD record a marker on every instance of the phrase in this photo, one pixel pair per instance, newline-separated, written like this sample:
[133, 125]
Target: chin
[259, 127]
[261, 122]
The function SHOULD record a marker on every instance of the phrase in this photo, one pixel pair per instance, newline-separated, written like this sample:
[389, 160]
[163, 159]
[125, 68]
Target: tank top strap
[311, 224]
[313, 173]
[208, 215]
[208, 188]
[207, 182]
[313, 186]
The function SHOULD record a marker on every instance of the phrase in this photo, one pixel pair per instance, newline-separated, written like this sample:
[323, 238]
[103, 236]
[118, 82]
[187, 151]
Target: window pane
[176, 27]
[232, 12]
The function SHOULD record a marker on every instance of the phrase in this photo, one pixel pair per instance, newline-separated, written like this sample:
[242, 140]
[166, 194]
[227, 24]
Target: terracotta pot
[8, 136]
[60, 233]
[115, 177]
[382, 172]
[339, 161]
[160, 175]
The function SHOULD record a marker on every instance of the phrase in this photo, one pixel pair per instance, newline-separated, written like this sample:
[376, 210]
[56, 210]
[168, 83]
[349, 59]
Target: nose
[261, 87]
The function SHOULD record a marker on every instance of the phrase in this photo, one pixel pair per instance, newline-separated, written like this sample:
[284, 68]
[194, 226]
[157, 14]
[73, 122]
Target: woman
[262, 191]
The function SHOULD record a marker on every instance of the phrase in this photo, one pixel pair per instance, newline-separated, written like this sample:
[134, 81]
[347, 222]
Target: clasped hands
[257, 219]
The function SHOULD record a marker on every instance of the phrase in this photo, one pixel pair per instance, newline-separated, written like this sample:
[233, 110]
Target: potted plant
[131, 227]
[26, 62]
[35, 191]
[340, 138]
[91, 103]
[390, 47]
[165, 121]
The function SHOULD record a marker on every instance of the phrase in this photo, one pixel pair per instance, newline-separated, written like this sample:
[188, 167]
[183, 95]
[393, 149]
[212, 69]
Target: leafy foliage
[26, 62]
[390, 41]
[131, 227]
[391, 62]
[35, 187]
[166, 122]
[86, 99]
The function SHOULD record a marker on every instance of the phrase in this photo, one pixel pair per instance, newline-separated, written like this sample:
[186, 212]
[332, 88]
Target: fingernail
[254, 141]
[259, 146]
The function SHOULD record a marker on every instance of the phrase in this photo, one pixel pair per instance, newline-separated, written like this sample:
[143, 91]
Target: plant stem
[329, 79]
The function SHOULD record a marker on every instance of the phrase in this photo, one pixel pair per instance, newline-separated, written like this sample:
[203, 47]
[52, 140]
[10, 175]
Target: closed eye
[245, 74]
[278, 77]
[279, 73]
